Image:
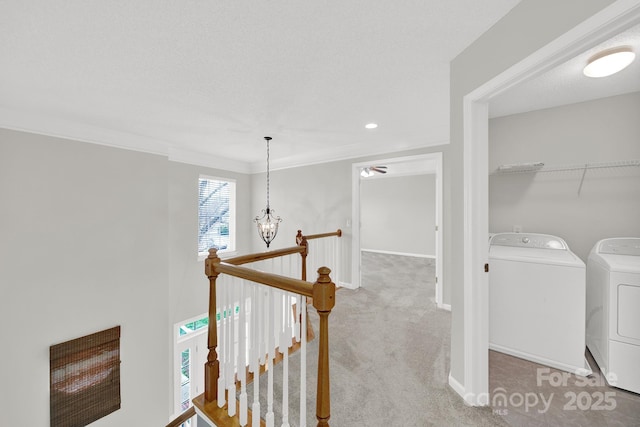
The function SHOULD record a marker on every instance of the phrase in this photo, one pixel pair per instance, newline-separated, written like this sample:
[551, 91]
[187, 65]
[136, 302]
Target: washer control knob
[525, 240]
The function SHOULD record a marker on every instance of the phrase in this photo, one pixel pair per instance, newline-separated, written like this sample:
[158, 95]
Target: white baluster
[269, 417]
[256, 315]
[222, 353]
[277, 325]
[337, 260]
[285, 342]
[230, 375]
[296, 328]
[303, 362]
[242, 355]
[229, 363]
[263, 302]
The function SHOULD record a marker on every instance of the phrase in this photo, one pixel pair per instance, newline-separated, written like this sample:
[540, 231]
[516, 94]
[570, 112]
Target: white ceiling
[566, 84]
[204, 81]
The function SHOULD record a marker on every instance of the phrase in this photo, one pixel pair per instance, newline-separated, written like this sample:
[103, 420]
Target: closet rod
[504, 169]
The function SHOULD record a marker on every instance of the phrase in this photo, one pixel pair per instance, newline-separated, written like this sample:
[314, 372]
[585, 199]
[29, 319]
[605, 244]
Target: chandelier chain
[267, 175]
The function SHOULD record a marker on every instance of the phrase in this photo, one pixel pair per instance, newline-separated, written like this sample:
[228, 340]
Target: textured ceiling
[566, 84]
[204, 81]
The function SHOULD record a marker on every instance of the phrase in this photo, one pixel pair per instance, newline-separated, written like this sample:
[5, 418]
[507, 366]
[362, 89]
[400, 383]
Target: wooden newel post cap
[324, 291]
[299, 237]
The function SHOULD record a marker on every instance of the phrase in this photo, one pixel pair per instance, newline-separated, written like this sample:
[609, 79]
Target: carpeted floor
[389, 354]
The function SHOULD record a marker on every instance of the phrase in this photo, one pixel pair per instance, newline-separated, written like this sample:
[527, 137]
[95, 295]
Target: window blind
[215, 203]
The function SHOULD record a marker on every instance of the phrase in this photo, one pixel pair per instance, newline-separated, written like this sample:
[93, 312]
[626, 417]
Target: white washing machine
[613, 310]
[537, 300]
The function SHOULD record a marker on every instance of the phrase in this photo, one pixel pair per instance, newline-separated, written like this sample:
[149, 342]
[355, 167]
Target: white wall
[512, 39]
[397, 214]
[83, 247]
[605, 204]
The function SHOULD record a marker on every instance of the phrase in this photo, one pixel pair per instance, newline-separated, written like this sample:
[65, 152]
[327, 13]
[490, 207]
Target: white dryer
[613, 310]
[537, 300]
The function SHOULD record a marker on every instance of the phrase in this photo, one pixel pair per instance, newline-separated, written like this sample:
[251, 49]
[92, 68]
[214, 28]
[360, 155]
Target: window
[190, 356]
[185, 380]
[216, 214]
[191, 327]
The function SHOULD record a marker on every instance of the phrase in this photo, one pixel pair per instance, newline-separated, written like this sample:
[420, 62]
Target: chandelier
[268, 223]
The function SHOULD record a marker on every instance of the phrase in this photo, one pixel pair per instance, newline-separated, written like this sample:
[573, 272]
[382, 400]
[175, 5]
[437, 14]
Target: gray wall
[513, 38]
[605, 204]
[93, 237]
[316, 199]
[83, 247]
[397, 214]
[188, 284]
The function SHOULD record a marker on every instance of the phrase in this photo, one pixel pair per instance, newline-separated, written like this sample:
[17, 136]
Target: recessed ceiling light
[609, 62]
[371, 126]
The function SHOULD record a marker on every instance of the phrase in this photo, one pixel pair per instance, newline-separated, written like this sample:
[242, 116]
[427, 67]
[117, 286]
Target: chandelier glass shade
[268, 223]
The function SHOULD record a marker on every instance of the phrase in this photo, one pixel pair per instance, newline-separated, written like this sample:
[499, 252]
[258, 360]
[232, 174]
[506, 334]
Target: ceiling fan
[372, 170]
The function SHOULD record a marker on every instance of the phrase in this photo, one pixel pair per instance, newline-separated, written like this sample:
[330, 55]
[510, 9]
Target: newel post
[324, 293]
[302, 241]
[212, 367]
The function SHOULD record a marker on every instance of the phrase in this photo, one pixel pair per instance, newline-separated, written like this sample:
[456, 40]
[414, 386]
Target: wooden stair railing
[183, 417]
[300, 236]
[302, 248]
[245, 259]
[303, 241]
[323, 294]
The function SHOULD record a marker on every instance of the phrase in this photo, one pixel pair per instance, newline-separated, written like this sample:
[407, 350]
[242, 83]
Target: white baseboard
[469, 398]
[576, 369]
[398, 253]
[444, 306]
[346, 285]
[456, 386]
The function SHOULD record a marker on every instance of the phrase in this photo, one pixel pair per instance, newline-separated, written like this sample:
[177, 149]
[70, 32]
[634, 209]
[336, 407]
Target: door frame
[613, 19]
[436, 158]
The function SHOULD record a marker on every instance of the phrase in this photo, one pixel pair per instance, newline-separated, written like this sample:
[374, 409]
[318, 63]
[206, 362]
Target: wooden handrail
[191, 412]
[275, 281]
[338, 233]
[245, 259]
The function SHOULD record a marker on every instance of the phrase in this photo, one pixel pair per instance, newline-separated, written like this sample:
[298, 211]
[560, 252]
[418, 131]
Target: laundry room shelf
[537, 167]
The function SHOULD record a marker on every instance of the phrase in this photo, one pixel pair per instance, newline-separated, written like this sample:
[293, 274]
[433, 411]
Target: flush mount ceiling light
[609, 62]
[371, 125]
[268, 223]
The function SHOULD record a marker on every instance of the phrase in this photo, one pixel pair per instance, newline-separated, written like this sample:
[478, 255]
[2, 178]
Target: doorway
[400, 167]
[476, 330]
